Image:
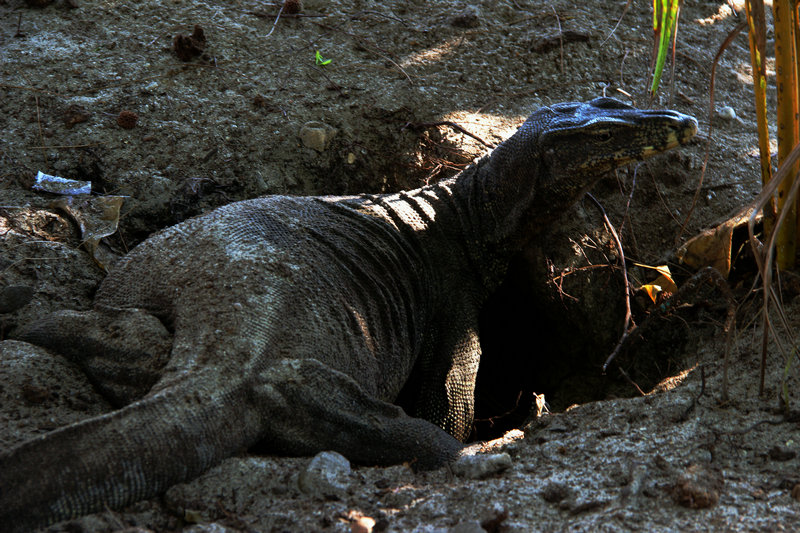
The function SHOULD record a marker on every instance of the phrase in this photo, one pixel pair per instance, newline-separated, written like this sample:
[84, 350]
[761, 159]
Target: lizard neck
[494, 202]
[475, 221]
[470, 222]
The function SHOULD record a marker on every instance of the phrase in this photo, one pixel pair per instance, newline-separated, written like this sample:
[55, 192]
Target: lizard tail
[121, 457]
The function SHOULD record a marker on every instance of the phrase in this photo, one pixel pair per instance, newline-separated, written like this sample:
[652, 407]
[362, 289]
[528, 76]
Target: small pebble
[326, 476]
[727, 112]
[554, 492]
[471, 526]
[316, 135]
[479, 466]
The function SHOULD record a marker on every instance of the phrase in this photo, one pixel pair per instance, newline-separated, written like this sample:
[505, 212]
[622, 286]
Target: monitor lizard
[294, 322]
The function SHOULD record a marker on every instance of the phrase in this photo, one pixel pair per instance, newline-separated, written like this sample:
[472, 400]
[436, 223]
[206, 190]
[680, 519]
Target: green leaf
[665, 16]
[319, 60]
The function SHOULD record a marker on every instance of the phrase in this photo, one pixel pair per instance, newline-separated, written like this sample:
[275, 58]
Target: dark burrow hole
[545, 334]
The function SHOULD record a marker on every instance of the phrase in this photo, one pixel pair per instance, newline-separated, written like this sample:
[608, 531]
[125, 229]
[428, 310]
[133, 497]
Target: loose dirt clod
[292, 7]
[698, 487]
[188, 47]
[127, 119]
[75, 114]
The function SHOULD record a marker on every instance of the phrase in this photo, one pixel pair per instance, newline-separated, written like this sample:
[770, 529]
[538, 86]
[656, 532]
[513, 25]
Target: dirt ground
[256, 110]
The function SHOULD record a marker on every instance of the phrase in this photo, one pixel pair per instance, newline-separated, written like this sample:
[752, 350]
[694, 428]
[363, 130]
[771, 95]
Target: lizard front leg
[308, 407]
[446, 372]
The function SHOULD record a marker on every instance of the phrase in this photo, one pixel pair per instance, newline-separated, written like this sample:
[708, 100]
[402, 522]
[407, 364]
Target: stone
[326, 476]
[14, 296]
[480, 466]
[317, 135]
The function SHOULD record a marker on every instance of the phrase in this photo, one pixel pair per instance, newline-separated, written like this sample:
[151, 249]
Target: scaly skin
[295, 322]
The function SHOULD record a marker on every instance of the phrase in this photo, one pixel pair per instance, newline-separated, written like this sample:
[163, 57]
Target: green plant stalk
[796, 57]
[757, 35]
[665, 15]
[784, 20]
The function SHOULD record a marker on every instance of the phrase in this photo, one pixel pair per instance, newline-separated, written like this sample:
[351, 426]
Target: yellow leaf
[663, 283]
[651, 290]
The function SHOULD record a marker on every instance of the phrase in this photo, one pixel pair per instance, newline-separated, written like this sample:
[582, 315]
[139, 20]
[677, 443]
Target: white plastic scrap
[59, 185]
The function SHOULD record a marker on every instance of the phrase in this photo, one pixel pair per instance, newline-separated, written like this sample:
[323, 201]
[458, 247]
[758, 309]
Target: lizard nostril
[689, 124]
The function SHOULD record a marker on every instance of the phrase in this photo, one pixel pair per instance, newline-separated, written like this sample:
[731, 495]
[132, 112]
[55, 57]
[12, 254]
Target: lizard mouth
[689, 130]
[680, 133]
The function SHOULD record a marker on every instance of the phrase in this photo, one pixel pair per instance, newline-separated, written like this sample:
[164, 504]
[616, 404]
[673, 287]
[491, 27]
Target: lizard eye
[603, 136]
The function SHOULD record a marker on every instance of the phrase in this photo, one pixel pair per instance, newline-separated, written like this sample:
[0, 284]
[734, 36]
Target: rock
[470, 526]
[316, 135]
[555, 492]
[698, 487]
[208, 528]
[468, 18]
[362, 524]
[14, 296]
[480, 466]
[326, 476]
[727, 112]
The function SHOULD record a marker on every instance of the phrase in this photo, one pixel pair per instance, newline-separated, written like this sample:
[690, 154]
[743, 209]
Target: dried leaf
[96, 216]
[663, 283]
[713, 246]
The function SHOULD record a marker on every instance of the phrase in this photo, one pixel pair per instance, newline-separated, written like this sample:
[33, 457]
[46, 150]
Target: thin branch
[424, 125]
[765, 263]
[560, 37]
[624, 10]
[629, 380]
[69, 146]
[41, 135]
[275, 24]
[731, 36]
[628, 316]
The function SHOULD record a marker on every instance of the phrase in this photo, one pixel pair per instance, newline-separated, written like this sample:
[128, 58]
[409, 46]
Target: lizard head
[563, 149]
[581, 141]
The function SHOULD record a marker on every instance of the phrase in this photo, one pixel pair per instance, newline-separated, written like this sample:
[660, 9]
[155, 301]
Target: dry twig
[626, 330]
[424, 125]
